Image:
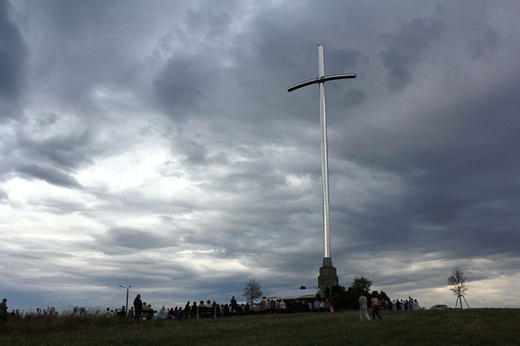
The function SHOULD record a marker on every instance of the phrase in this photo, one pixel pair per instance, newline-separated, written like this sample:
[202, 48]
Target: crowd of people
[384, 304]
[4, 313]
[275, 306]
[212, 309]
[142, 311]
[408, 304]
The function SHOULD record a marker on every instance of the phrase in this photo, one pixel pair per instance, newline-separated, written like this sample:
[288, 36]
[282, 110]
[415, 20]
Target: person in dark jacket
[138, 308]
[3, 309]
[187, 310]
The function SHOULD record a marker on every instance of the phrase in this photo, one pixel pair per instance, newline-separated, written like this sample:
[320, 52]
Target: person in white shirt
[375, 308]
[363, 309]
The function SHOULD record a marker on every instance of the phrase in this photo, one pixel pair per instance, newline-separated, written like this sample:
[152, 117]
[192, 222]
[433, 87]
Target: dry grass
[453, 327]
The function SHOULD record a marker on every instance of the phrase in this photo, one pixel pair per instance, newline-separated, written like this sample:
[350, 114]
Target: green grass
[452, 327]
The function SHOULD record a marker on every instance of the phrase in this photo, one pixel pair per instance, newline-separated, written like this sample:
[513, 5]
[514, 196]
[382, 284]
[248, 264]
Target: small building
[301, 294]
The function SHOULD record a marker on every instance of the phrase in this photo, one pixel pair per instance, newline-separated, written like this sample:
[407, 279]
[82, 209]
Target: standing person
[216, 309]
[283, 307]
[187, 310]
[416, 305]
[322, 306]
[264, 305]
[194, 310]
[332, 304]
[108, 313]
[316, 305]
[138, 308]
[375, 308]
[3, 309]
[233, 305]
[363, 308]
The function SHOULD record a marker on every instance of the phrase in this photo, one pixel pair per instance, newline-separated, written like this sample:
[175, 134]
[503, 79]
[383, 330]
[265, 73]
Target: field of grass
[452, 327]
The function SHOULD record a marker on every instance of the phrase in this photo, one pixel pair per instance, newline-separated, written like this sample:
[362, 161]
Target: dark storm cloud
[196, 161]
[408, 48]
[126, 238]
[478, 161]
[67, 151]
[343, 60]
[196, 152]
[458, 188]
[353, 97]
[485, 43]
[95, 41]
[49, 174]
[13, 54]
[182, 85]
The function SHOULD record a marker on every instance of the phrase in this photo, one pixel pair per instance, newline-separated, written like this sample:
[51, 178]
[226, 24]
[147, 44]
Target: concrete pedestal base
[328, 275]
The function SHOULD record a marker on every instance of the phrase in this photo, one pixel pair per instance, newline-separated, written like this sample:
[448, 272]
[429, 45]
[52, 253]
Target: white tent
[308, 293]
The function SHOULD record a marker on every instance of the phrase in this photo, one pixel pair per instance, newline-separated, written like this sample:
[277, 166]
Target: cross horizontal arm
[321, 80]
[303, 84]
[339, 76]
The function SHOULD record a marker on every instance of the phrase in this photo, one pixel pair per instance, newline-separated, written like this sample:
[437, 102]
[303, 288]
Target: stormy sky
[154, 144]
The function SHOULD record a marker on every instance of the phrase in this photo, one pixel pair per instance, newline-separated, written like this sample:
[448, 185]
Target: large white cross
[324, 145]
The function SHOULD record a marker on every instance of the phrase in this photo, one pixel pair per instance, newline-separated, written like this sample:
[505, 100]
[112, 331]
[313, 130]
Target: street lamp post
[127, 289]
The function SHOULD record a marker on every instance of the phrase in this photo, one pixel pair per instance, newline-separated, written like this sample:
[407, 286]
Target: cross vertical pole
[328, 277]
[324, 155]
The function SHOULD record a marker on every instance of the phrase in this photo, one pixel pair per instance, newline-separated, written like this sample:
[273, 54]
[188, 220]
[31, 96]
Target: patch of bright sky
[39, 196]
[42, 225]
[125, 171]
[107, 93]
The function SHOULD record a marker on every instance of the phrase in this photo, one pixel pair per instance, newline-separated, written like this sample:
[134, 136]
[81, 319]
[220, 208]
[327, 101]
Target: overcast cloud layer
[154, 144]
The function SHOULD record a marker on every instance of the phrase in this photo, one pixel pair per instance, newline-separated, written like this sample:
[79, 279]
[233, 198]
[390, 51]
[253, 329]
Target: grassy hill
[425, 327]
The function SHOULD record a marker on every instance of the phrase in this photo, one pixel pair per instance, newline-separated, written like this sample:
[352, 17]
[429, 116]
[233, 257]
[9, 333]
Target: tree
[252, 291]
[349, 298]
[457, 283]
[382, 295]
[363, 283]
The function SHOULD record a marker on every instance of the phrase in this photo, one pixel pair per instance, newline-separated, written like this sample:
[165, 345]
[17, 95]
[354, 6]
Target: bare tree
[457, 283]
[252, 291]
